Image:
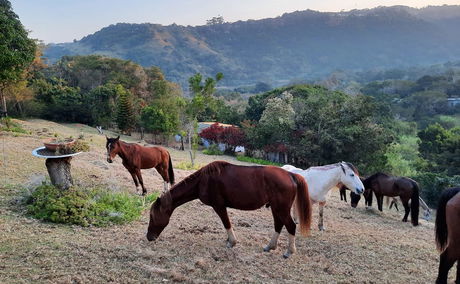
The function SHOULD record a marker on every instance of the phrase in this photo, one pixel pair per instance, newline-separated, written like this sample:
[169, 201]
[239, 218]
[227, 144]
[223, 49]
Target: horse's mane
[330, 166]
[376, 175]
[211, 168]
[352, 167]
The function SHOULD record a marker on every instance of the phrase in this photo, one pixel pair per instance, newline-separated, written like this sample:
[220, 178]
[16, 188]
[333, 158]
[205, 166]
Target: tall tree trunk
[3, 99]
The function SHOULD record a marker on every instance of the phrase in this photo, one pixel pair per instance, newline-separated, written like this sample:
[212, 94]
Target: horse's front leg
[133, 175]
[320, 219]
[222, 212]
[380, 202]
[139, 177]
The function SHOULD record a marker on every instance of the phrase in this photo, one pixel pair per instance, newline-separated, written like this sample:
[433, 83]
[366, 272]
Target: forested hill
[301, 44]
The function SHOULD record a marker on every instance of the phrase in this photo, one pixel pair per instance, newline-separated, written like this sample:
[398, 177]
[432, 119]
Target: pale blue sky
[65, 20]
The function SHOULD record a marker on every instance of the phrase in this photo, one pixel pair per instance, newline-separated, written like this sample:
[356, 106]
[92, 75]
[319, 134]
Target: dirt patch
[359, 245]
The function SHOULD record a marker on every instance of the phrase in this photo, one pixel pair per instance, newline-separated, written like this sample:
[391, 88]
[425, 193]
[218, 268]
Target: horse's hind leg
[290, 227]
[278, 227]
[139, 177]
[164, 174]
[457, 280]
[406, 209]
[445, 264]
[321, 216]
[222, 212]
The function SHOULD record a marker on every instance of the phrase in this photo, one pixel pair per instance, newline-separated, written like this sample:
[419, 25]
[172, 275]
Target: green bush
[432, 185]
[84, 207]
[257, 161]
[213, 150]
[188, 166]
[6, 124]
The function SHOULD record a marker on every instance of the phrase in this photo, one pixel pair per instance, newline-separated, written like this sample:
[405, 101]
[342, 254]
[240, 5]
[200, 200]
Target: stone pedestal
[59, 171]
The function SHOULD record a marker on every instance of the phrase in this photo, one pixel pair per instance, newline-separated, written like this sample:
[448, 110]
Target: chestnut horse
[384, 185]
[447, 229]
[221, 185]
[136, 157]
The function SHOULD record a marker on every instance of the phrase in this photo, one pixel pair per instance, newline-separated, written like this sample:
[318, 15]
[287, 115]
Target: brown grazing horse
[384, 185]
[448, 233]
[221, 185]
[136, 157]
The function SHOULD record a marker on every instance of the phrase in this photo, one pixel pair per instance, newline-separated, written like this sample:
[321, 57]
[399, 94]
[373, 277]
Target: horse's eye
[352, 175]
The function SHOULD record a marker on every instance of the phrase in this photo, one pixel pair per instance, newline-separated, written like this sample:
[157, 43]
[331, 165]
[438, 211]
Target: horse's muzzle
[359, 191]
[109, 160]
[151, 238]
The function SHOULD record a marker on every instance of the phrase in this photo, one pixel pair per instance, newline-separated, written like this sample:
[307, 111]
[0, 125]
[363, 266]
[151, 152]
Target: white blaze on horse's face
[110, 153]
[350, 178]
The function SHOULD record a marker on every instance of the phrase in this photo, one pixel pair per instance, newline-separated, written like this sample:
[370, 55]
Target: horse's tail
[441, 224]
[170, 171]
[414, 203]
[304, 207]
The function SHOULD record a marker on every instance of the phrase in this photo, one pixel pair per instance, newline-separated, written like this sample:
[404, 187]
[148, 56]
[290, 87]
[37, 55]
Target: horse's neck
[183, 193]
[321, 181]
[423, 204]
[124, 148]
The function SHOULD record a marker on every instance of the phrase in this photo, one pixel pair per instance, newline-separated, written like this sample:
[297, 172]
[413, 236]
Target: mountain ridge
[301, 44]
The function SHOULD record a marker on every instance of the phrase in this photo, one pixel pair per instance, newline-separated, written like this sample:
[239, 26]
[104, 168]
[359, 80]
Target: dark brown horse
[448, 233]
[136, 157]
[221, 185]
[384, 185]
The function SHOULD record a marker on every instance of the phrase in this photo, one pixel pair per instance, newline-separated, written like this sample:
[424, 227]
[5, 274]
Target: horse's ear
[341, 166]
[106, 137]
[118, 138]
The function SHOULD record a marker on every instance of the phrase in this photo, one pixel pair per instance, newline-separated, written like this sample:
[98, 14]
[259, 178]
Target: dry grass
[359, 245]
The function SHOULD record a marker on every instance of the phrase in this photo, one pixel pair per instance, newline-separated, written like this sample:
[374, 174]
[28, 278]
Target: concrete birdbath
[58, 166]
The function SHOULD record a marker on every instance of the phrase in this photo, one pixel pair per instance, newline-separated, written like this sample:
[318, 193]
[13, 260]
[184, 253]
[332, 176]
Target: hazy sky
[65, 20]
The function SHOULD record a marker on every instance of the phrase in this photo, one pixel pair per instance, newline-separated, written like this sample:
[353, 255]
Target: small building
[453, 102]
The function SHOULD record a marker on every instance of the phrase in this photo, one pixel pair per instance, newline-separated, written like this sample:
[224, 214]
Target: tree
[125, 111]
[17, 51]
[201, 101]
[215, 21]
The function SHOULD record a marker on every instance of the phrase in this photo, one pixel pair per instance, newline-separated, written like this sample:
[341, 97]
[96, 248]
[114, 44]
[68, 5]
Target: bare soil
[358, 246]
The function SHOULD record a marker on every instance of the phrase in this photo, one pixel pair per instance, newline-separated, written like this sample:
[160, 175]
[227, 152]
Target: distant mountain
[298, 45]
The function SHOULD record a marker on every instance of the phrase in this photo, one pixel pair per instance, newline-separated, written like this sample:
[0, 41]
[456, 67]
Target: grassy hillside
[359, 245]
[301, 44]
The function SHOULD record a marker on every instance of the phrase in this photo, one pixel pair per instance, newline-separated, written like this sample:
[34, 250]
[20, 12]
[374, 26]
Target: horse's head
[113, 147]
[350, 178]
[354, 199]
[427, 214]
[160, 212]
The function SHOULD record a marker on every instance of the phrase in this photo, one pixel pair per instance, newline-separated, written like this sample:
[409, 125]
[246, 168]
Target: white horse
[322, 179]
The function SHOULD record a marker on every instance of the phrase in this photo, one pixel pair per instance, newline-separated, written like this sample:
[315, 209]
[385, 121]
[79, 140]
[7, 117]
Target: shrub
[188, 166]
[257, 161]
[432, 185]
[213, 150]
[7, 124]
[84, 207]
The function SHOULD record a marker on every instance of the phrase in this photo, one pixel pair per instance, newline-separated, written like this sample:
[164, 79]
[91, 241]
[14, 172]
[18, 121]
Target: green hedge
[433, 184]
[257, 161]
[84, 207]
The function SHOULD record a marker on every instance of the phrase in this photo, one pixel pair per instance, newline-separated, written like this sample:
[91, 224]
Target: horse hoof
[322, 228]
[230, 245]
[268, 248]
[286, 255]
